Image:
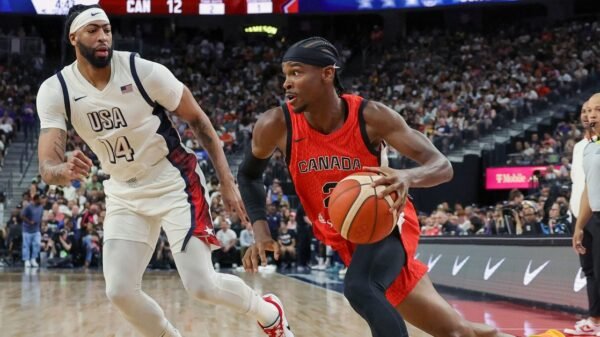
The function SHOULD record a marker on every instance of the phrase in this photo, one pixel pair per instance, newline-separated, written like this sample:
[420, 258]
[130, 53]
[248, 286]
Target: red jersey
[317, 162]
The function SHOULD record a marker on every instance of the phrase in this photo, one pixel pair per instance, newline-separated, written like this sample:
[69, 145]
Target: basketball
[356, 212]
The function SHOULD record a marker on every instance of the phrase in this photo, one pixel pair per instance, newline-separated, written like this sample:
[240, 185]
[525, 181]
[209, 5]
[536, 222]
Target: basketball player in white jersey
[118, 103]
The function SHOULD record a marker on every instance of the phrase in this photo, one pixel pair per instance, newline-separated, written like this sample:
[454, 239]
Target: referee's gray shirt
[591, 166]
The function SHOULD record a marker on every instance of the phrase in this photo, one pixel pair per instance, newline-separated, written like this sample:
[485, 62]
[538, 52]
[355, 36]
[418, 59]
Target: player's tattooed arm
[51, 151]
[198, 121]
[203, 131]
[54, 167]
[192, 113]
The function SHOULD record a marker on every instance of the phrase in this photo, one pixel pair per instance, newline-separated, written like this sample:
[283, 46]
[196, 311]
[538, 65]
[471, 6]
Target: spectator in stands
[63, 251]
[228, 255]
[246, 239]
[91, 244]
[515, 198]
[497, 224]
[32, 220]
[47, 244]
[273, 219]
[431, 228]
[529, 223]
[448, 228]
[213, 185]
[162, 257]
[558, 222]
[94, 183]
[216, 204]
[14, 233]
[304, 236]
[287, 243]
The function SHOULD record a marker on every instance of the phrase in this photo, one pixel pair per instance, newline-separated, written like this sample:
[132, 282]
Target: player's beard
[89, 54]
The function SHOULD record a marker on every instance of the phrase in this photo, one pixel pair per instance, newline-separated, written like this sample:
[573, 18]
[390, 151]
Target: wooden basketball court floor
[36, 303]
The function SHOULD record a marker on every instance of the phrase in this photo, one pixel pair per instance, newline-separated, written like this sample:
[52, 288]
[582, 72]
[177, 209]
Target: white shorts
[171, 195]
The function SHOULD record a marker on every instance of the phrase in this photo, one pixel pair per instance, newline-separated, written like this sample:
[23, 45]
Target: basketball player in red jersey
[327, 137]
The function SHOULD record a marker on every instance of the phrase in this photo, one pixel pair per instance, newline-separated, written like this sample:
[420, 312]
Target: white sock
[200, 279]
[266, 313]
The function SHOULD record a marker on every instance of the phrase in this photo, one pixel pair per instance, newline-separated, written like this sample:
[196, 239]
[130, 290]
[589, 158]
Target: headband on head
[311, 56]
[86, 17]
[315, 57]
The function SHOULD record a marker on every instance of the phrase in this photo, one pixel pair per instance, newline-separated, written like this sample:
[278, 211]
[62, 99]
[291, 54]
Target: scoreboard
[223, 7]
[199, 7]
[156, 7]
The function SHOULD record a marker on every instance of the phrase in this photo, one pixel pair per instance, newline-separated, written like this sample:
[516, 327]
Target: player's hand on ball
[256, 255]
[396, 181]
[77, 167]
[232, 200]
[577, 242]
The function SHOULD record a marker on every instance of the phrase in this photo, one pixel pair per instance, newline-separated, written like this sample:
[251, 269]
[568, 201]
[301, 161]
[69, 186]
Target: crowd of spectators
[18, 86]
[544, 212]
[553, 148]
[450, 86]
[457, 86]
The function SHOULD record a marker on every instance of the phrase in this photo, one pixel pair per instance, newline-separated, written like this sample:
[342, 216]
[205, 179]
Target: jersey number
[327, 189]
[121, 149]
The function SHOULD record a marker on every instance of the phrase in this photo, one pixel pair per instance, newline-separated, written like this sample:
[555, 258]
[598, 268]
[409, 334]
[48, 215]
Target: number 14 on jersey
[120, 149]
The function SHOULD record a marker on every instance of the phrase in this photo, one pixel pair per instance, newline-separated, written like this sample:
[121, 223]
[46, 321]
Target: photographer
[497, 225]
[558, 222]
[528, 221]
[62, 252]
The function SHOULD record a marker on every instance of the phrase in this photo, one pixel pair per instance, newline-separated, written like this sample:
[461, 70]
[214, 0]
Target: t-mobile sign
[506, 178]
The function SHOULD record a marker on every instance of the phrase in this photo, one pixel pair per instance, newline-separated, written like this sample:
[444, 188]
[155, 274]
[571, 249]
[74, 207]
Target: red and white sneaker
[281, 327]
[584, 327]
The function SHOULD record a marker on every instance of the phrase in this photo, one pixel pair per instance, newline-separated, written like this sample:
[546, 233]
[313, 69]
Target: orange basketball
[356, 212]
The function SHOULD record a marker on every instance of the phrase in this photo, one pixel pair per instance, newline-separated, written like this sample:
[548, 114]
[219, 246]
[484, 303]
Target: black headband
[311, 56]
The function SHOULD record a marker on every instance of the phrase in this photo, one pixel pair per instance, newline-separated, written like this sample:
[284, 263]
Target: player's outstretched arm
[55, 169]
[386, 124]
[268, 134]
[192, 113]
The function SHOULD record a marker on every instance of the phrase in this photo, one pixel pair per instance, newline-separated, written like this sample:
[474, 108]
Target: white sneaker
[280, 328]
[34, 264]
[27, 264]
[319, 267]
[584, 327]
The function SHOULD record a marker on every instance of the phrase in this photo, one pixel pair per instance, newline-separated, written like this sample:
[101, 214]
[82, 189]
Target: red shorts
[413, 270]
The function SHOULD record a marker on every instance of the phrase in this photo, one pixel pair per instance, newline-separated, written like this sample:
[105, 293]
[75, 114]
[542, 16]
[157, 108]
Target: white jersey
[577, 176]
[125, 124]
[591, 162]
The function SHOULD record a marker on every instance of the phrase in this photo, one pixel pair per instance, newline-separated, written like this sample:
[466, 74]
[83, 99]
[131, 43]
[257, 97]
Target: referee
[587, 228]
